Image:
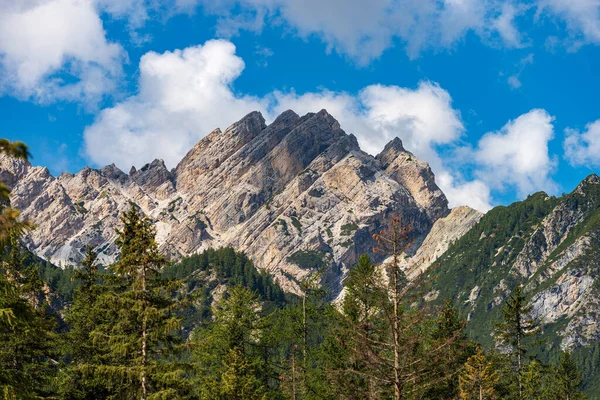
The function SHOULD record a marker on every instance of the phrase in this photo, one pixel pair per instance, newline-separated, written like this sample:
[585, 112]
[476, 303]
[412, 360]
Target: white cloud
[517, 155]
[504, 24]
[583, 148]
[363, 29]
[183, 95]
[581, 16]
[56, 50]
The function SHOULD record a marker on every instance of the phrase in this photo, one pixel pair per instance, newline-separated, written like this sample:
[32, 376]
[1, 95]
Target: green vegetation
[296, 224]
[284, 226]
[483, 259]
[348, 229]
[314, 260]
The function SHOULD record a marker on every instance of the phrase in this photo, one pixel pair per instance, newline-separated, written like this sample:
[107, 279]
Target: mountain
[552, 247]
[295, 195]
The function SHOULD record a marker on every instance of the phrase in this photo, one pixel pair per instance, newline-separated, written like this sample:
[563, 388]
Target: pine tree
[479, 378]
[566, 380]
[136, 328]
[83, 317]
[299, 330]
[229, 356]
[454, 347]
[534, 379]
[515, 328]
[379, 350]
[393, 242]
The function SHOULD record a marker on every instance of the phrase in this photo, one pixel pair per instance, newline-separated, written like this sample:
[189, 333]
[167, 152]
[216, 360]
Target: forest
[212, 326]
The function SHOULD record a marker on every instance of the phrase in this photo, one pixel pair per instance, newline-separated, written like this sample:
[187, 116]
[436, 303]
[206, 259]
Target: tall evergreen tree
[515, 327]
[137, 328]
[82, 318]
[299, 330]
[229, 354]
[566, 379]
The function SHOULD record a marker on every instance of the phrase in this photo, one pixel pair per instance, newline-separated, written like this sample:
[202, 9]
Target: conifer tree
[449, 328]
[299, 330]
[83, 317]
[515, 328]
[367, 342]
[393, 242]
[478, 379]
[26, 328]
[566, 379]
[137, 326]
[534, 379]
[229, 353]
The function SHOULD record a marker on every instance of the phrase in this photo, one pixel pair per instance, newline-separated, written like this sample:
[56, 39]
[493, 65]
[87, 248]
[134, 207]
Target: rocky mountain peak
[11, 170]
[391, 151]
[113, 172]
[416, 176]
[297, 186]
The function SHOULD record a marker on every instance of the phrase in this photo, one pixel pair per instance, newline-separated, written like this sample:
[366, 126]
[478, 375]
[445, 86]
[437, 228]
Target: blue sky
[500, 97]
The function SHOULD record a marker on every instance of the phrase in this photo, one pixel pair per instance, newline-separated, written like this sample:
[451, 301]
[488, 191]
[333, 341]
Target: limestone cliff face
[296, 195]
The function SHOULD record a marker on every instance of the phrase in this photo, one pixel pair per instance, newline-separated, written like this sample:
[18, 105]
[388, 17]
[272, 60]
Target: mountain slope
[296, 195]
[552, 247]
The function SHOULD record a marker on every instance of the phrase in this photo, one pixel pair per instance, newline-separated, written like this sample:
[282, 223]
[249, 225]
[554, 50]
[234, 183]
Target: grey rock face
[300, 185]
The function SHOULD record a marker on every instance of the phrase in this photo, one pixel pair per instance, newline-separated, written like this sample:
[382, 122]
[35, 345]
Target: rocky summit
[296, 195]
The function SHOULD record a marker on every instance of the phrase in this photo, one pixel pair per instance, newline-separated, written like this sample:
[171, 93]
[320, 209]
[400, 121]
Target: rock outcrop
[295, 195]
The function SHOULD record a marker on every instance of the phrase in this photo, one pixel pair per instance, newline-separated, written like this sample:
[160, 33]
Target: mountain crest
[299, 185]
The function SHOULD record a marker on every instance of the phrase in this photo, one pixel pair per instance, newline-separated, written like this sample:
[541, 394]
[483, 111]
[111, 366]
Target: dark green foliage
[231, 358]
[566, 379]
[296, 224]
[348, 229]
[230, 268]
[27, 341]
[314, 260]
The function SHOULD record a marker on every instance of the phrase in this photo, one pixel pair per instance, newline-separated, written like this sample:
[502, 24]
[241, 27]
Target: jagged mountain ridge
[295, 195]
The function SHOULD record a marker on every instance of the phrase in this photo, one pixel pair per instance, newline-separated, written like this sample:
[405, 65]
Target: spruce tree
[82, 317]
[515, 327]
[229, 353]
[136, 330]
[384, 350]
[534, 380]
[299, 330]
[566, 379]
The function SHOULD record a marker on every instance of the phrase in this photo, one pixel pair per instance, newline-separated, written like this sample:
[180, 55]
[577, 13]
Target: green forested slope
[551, 246]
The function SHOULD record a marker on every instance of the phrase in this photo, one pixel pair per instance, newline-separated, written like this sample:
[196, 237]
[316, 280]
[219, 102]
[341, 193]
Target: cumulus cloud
[583, 148]
[517, 155]
[56, 49]
[183, 95]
